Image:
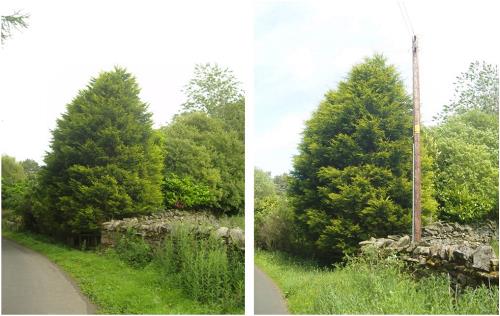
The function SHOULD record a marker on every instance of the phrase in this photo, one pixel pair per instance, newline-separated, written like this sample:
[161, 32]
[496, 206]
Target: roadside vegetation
[106, 161]
[370, 286]
[115, 286]
[352, 180]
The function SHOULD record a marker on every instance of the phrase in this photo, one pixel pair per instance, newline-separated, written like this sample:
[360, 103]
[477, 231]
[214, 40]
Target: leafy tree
[198, 147]
[13, 182]
[263, 187]
[281, 183]
[105, 160]
[12, 171]
[274, 218]
[465, 147]
[475, 89]
[16, 21]
[30, 167]
[211, 87]
[204, 145]
[352, 176]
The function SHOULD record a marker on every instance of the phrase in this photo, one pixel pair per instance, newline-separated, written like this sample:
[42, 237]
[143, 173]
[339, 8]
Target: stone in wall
[154, 228]
[464, 251]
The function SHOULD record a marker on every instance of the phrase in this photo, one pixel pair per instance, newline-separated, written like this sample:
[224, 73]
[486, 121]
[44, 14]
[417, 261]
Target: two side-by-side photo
[249, 157]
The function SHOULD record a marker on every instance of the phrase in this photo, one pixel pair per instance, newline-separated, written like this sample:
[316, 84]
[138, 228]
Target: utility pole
[417, 223]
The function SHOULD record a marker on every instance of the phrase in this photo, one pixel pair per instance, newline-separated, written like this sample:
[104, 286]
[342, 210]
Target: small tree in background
[105, 161]
[211, 88]
[352, 176]
[476, 89]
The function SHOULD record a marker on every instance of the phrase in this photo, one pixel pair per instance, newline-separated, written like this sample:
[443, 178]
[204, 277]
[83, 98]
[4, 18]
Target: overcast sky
[68, 42]
[304, 48]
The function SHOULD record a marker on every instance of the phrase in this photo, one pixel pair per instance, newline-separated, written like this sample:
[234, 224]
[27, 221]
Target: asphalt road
[268, 299]
[31, 284]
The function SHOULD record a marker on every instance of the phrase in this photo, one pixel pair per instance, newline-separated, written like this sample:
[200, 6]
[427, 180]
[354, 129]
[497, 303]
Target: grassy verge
[367, 287]
[115, 287]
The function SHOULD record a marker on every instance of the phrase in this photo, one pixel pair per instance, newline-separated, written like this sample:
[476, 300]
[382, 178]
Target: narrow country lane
[268, 299]
[31, 284]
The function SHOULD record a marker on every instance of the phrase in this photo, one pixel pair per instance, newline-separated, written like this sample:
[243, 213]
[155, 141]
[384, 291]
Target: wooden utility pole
[417, 223]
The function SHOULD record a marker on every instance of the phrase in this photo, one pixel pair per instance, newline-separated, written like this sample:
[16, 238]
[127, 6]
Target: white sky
[304, 48]
[68, 42]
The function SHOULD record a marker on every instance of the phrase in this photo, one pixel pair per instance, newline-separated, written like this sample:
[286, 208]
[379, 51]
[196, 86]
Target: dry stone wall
[156, 227]
[464, 251]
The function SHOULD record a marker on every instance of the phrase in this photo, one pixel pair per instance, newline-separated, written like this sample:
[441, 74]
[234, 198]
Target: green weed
[205, 267]
[116, 287]
[370, 286]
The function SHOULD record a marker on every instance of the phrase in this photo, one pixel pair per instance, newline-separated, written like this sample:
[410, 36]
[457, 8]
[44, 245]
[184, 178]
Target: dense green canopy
[352, 176]
[105, 161]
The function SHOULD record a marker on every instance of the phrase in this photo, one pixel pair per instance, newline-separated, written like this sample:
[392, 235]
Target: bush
[466, 157]
[205, 267]
[275, 228]
[133, 250]
[185, 193]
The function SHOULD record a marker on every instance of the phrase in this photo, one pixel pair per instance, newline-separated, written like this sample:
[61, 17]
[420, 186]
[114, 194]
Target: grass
[118, 288]
[207, 268]
[232, 221]
[369, 287]
[494, 245]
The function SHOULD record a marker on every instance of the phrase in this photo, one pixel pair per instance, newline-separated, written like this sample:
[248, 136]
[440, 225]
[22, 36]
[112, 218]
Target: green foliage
[275, 228]
[185, 193]
[370, 285]
[465, 147]
[281, 183]
[204, 146]
[263, 188]
[133, 250]
[476, 89]
[198, 147]
[114, 286]
[211, 88]
[205, 267]
[12, 171]
[16, 21]
[352, 177]
[105, 161]
[31, 168]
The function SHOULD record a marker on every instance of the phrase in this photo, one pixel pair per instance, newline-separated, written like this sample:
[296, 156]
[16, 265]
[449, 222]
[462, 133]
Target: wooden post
[417, 223]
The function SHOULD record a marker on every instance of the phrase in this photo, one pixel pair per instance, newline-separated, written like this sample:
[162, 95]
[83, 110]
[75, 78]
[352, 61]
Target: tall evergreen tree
[105, 160]
[352, 176]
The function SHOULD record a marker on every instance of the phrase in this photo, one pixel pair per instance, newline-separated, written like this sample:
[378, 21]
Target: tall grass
[371, 286]
[205, 267]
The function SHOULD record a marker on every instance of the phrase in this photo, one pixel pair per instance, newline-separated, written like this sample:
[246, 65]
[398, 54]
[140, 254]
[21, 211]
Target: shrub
[275, 228]
[205, 267]
[466, 157]
[184, 192]
[133, 250]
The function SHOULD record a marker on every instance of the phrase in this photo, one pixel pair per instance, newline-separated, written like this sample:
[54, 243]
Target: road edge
[91, 307]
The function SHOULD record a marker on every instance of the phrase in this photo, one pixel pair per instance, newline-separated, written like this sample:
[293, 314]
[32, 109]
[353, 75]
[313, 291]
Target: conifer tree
[352, 176]
[105, 160]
